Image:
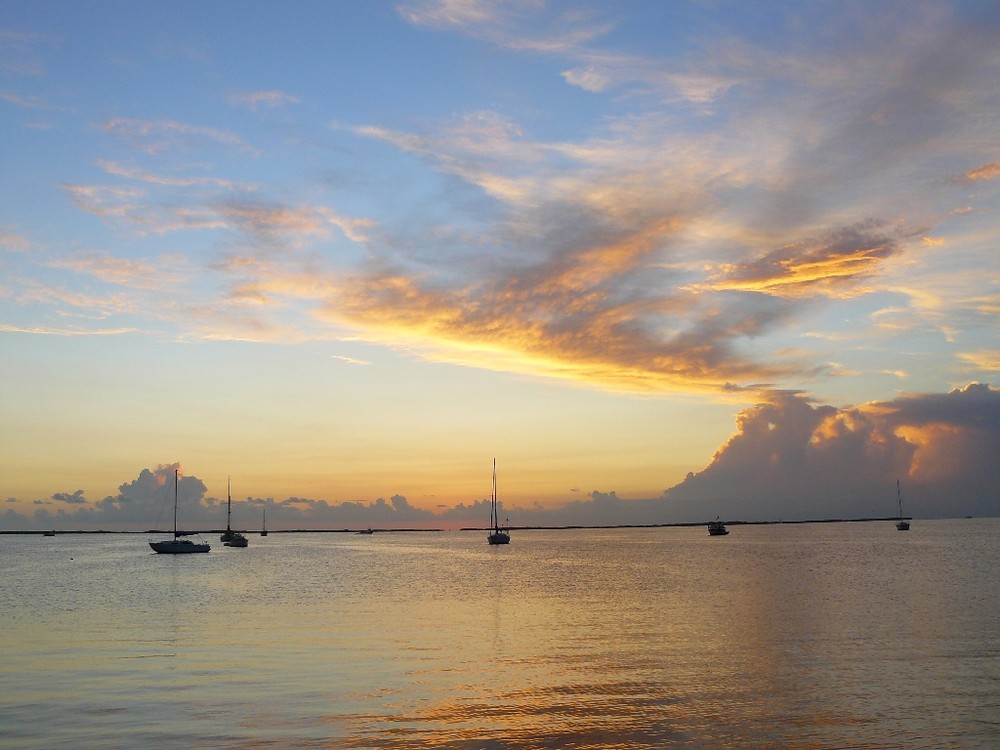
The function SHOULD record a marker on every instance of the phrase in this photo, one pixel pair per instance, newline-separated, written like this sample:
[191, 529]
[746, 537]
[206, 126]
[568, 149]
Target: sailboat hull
[178, 547]
[498, 537]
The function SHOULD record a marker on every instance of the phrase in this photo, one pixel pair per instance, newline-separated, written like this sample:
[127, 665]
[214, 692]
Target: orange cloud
[832, 266]
[122, 271]
[987, 172]
[792, 459]
[562, 318]
[984, 359]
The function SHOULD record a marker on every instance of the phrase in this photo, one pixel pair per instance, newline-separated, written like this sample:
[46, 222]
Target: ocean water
[849, 635]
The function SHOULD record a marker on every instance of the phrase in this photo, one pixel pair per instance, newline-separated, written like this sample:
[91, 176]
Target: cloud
[13, 242]
[349, 360]
[984, 359]
[662, 254]
[141, 175]
[791, 459]
[665, 249]
[833, 266]
[156, 136]
[33, 101]
[445, 13]
[255, 100]
[986, 172]
[76, 498]
[20, 51]
[39, 331]
[121, 271]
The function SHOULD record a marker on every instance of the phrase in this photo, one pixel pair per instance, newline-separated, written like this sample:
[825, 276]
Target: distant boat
[178, 546]
[498, 535]
[717, 528]
[902, 524]
[229, 537]
[263, 521]
[367, 531]
[49, 533]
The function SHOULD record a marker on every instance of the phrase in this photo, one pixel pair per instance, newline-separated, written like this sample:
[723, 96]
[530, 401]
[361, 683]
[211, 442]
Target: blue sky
[351, 251]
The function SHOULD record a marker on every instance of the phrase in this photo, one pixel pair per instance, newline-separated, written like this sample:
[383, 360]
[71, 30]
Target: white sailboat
[498, 535]
[177, 545]
[229, 537]
[902, 524]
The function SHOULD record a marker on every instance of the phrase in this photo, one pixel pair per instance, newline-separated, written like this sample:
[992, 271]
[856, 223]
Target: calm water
[806, 636]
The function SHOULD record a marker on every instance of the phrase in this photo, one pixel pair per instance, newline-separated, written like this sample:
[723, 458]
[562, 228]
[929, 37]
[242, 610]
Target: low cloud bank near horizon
[789, 459]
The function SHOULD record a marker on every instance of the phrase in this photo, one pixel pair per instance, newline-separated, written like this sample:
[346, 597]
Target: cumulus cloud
[74, 498]
[147, 502]
[793, 459]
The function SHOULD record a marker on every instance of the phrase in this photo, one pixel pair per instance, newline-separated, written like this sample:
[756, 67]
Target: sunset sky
[661, 260]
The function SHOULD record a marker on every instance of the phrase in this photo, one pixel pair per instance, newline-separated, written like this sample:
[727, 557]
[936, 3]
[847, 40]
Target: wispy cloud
[349, 360]
[657, 250]
[984, 359]
[11, 241]
[66, 331]
[459, 13]
[256, 100]
[140, 175]
[121, 271]
[156, 136]
[676, 248]
[134, 208]
[986, 172]
[833, 266]
[26, 101]
[21, 51]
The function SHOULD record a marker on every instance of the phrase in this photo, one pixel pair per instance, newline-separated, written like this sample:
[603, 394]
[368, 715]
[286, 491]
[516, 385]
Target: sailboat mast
[175, 503]
[229, 501]
[496, 516]
[899, 500]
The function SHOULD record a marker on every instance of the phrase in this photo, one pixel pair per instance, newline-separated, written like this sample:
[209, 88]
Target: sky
[662, 261]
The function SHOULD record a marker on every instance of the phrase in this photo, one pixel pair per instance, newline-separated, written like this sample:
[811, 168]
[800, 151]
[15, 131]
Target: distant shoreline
[39, 532]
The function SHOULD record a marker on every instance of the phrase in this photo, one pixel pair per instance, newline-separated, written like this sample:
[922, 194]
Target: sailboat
[498, 535]
[229, 537]
[177, 545]
[902, 524]
[263, 521]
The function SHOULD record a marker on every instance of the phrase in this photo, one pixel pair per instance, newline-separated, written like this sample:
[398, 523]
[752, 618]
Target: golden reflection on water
[795, 637]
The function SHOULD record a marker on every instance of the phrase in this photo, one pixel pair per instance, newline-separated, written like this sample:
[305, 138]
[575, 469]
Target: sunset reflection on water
[820, 636]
